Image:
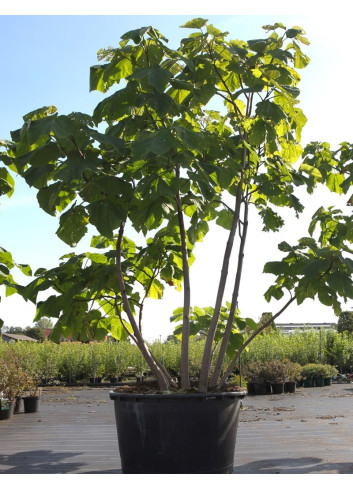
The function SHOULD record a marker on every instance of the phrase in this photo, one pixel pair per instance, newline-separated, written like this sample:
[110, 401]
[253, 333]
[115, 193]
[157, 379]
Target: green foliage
[13, 377]
[313, 371]
[49, 361]
[274, 371]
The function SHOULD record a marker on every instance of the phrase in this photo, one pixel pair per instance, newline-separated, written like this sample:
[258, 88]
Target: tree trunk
[185, 377]
[161, 378]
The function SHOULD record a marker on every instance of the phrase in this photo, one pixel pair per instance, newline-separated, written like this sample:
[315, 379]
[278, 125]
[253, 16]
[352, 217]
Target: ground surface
[309, 432]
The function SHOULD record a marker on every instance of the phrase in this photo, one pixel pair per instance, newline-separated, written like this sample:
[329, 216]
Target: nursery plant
[13, 377]
[188, 139]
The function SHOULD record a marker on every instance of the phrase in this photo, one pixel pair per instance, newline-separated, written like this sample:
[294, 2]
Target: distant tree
[37, 331]
[12, 330]
[34, 332]
[345, 322]
[265, 318]
[45, 323]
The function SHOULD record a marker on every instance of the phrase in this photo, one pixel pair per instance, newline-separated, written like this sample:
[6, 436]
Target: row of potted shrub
[279, 376]
[17, 386]
[76, 362]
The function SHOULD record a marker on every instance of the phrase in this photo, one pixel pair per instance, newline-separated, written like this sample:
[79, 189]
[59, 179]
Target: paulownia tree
[193, 136]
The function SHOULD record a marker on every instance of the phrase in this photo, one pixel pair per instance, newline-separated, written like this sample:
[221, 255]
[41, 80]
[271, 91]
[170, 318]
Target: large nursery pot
[177, 433]
[263, 389]
[319, 382]
[6, 408]
[289, 387]
[31, 404]
[277, 388]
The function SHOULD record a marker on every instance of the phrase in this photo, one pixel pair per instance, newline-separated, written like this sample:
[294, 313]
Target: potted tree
[256, 374]
[310, 372]
[13, 380]
[32, 394]
[330, 371]
[160, 158]
[276, 375]
[293, 376]
[319, 373]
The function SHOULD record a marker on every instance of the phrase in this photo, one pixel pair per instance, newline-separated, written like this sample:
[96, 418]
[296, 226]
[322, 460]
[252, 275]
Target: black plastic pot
[31, 404]
[6, 409]
[327, 381]
[177, 433]
[308, 383]
[97, 380]
[289, 387]
[278, 388]
[263, 389]
[319, 381]
[114, 380]
[251, 388]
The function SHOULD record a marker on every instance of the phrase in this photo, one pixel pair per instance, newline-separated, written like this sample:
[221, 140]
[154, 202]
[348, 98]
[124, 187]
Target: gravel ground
[309, 432]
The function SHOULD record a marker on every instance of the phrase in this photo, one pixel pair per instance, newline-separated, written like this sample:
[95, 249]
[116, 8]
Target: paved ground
[309, 432]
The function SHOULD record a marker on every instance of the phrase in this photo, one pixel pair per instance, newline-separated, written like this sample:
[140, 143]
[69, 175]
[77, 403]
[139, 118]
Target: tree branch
[249, 340]
[162, 380]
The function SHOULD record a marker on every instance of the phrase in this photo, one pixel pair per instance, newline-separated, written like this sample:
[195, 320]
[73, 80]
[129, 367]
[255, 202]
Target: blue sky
[45, 61]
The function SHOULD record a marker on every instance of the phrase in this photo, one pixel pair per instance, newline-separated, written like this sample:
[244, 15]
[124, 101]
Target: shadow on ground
[39, 462]
[304, 465]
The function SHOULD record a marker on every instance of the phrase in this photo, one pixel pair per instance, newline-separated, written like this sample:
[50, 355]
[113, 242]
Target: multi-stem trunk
[207, 355]
[222, 352]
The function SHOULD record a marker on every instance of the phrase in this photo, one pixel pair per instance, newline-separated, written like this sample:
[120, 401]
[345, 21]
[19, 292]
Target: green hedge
[77, 361]
[308, 346]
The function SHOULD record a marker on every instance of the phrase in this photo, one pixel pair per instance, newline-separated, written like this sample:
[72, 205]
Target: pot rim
[197, 395]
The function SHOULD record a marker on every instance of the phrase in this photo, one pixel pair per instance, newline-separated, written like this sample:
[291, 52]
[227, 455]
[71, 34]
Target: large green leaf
[7, 183]
[137, 34]
[258, 133]
[341, 283]
[50, 197]
[106, 216]
[117, 330]
[225, 218]
[270, 111]
[155, 76]
[62, 126]
[117, 105]
[193, 139]
[158, 142]
[156, 290]
[161, 103]
[6, 258]
[334, 182]
[73, 225]
[74, 167]
[196, 23]
[51, 307]
[276, 267]
[102, 77]
[38, 176]
[315, 267]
